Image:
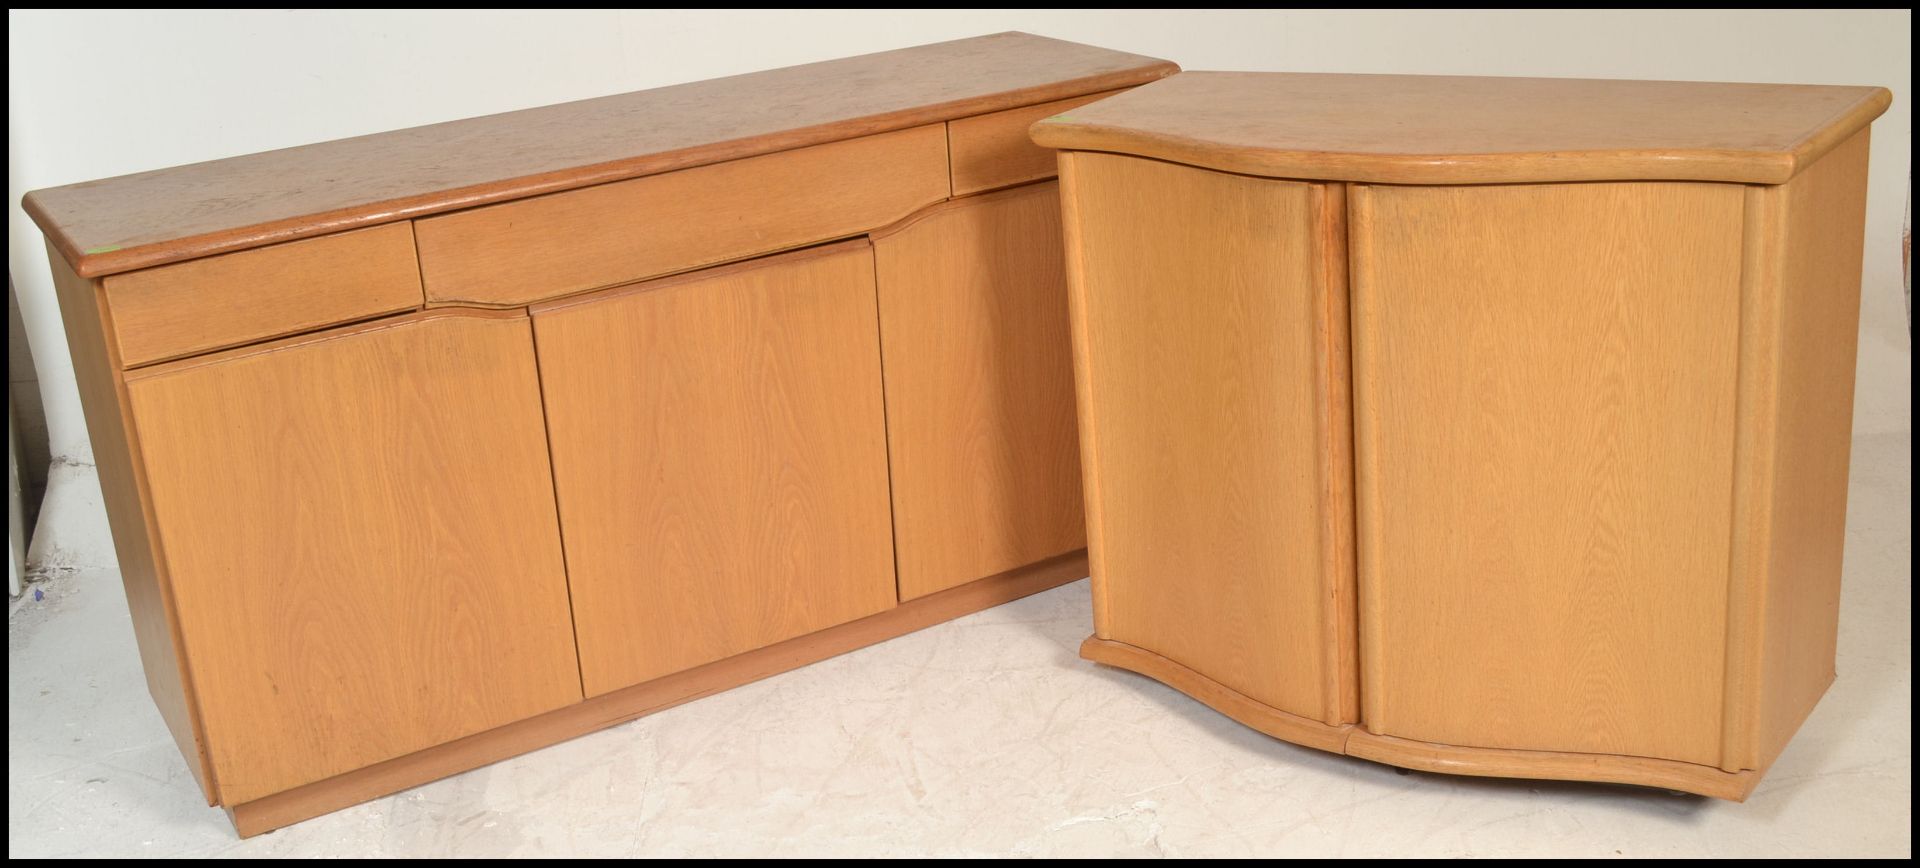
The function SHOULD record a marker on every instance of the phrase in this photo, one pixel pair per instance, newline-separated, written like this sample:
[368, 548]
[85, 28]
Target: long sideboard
[427, 448]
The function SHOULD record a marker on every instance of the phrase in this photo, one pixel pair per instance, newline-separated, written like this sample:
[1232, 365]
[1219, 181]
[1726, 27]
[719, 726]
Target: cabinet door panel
[1544, 393]
[979, 375]
[1210, 312]
[720, 456]
[361, 535]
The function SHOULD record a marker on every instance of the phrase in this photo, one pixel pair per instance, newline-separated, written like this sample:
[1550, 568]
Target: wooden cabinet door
[1544, 392]
[979, 375]
[360, 532]
[1210, 320]
[721, 463]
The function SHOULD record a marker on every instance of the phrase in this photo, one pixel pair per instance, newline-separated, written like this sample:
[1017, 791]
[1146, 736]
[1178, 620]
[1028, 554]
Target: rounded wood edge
[1653, 164]
[1843, 127]
[1282, 725]
[148, 254]
[1552, 765]
[1728, 166]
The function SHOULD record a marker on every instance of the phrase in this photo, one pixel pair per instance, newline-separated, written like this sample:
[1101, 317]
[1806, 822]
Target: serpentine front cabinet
[428, 448]
[1479, 425]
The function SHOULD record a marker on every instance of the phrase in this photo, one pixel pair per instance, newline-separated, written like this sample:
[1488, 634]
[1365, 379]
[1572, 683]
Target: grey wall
[29, 414]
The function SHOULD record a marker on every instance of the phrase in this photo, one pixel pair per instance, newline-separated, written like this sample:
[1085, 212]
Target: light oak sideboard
[1475, 425]
[428, 448]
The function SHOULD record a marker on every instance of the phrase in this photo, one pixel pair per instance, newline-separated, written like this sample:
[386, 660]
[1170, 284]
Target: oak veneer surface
[361, 537]
[1818, 290]
[1418, 129]
[1198, 303]
[167, 215]
[994, 150]
[719, 449]
[123, 486]
[223, 301]
[981, 437]
[618, 233]
[1545, 476]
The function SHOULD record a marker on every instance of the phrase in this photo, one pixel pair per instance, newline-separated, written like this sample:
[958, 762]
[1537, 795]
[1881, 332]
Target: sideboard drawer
[993, 150]
[223, 301]
[615, 233]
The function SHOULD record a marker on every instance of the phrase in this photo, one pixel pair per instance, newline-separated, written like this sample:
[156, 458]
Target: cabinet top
[186, 212]
[1432, 129]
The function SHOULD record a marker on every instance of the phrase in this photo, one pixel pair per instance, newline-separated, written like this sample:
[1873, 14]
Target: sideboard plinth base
[1219, 697]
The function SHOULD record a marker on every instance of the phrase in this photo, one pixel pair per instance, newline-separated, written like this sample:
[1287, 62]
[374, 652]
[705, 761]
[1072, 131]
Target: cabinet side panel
[1546, 393]
[122, 485]
[1819, 325]
[979, 389]
[361, 534]
[1202, 322]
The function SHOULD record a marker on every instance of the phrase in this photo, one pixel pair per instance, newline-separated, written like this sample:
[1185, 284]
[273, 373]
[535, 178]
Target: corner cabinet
[1526, 456]
[523, 426]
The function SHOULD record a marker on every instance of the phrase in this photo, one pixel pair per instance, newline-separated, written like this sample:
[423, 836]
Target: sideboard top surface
[1422, 129]
[152, 218]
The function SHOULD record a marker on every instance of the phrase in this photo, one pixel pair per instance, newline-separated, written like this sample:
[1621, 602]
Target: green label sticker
[106, 249]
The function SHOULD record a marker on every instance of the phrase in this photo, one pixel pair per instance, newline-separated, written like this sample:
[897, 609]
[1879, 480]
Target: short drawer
[553, 245]
[237, 298]
[993, 150]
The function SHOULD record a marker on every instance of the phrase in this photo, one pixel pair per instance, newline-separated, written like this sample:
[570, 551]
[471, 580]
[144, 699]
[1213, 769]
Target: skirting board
[620, 706]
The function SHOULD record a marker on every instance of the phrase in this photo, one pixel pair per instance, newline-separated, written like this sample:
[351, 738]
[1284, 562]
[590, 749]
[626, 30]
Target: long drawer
[224, 301]
[600, 236]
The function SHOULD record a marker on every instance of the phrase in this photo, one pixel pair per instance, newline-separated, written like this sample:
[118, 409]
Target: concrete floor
[986, 736]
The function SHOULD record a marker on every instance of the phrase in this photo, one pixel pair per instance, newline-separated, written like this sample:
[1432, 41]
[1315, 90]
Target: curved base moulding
[1492, 762]
[1219, 697]
[1424, 756]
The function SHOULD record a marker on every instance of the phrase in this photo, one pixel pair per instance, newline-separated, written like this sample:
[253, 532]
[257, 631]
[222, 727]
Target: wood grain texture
[1333, 360]
[1421, 129]
[1199, 303]
[224, 301]
[123, 491]
[1449, 759]
[1763, 235]
[1544, 384]
[1219, 697]
[185, 212]
[979, 389]
[993, 150]
[1083, 396]
[1819, 302]
[620, 706]
[550, 246]
[360, 530]
[720, 455]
